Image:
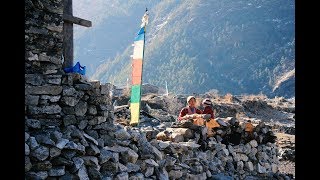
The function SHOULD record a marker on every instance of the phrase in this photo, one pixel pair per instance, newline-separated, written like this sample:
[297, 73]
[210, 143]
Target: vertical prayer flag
[137, 64]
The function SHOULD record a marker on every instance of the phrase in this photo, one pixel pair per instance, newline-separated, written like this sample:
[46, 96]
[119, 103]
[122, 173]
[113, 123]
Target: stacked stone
[66, 130]
[43, 37]
[184, 160]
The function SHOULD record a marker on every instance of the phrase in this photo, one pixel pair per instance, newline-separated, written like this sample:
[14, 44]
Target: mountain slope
[231, 46]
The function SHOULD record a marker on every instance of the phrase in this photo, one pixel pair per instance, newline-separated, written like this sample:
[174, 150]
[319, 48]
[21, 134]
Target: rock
[32, 100]
[173, 174]
[225, 152]
[109, 167]
[122, 168]
[26, 149]
[51, 90]
[267, 166]
[62, 143]
[170, 161]
[43, 138]
[122, 176]
[83, 87]
[69, 120]
[185, 132]
[230, 148]
[136, 176]
[254, 151]
[230, 167]
[68, 110]
[41, 175]
[232, 120]
[33, 144]
[27, 164]
[81, 108]
[68, 91]
[100, 142]
[222, 176]
[163, 145]
[56, 136]
[129, 156]
[201, 176]
[115, 157]
[71, 145]
[164, 136]
[190, 145]
[61, 161]
[133, 167]
[52, 109]
[68, 176]
[97, 120]
[274, 168]
[176, 137]
[162, 174]
[69, 154]
[243, 157]
[90, 138]
[56, 171]
[54, 152]
[151, 162]
[82, 173]
[41, 153]
[209, 175]
[253, 143]
[92, 150]
[219, 131]
[92, 110]
[33, 123]
[26, 136]
[240, 165]
[93, 173]
[149, 171]
[249, 165]
[42, 166]
[69, 101]
[221, 122]
[122, 134]
[83, 124]
[157, 153]
[104, 156]
[133, 147]
[261, 169]
[91, 161]
[77, 163]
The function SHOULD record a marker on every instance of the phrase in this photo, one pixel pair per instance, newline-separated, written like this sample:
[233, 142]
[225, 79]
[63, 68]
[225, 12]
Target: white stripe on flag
[138, 50]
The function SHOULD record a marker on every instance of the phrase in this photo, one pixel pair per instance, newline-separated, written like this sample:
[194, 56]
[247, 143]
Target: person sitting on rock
[208, 113]
[190, 112]
[191, 117]
[207, 104]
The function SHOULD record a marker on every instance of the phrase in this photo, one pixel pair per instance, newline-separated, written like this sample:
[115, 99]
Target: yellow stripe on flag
[135, 113]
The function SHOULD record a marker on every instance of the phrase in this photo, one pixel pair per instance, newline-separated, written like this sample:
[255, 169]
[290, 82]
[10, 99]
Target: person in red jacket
[207, 104]
[211, 123]
[190, 111]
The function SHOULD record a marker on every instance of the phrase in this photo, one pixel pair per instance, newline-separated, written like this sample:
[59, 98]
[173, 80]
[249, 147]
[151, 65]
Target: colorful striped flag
[138, 53]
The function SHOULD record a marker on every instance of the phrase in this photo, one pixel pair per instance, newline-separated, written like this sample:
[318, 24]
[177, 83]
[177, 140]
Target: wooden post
[69, 20]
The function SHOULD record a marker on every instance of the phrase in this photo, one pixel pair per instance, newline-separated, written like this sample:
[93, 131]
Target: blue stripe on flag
[139, 37]
[141, 31]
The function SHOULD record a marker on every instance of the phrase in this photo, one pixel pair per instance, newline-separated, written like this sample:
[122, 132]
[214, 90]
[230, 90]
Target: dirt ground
[286, 141]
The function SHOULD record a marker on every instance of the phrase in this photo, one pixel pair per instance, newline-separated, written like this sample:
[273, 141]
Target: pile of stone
[70, 133]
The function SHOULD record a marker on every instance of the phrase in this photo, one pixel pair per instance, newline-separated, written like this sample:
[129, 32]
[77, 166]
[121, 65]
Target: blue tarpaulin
[76, 69]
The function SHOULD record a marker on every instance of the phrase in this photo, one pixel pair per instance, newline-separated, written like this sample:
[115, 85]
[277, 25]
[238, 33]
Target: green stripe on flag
[135, 93]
